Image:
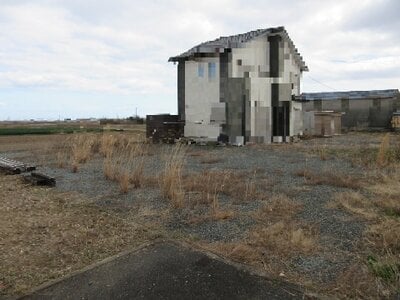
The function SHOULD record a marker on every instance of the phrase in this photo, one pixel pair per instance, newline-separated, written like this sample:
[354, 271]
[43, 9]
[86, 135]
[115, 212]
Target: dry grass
[279, 232]
[107, 144]
[336, 179]
[241, 186]
[284, 239]
[63, 153]
[45, 234]
[124, 181]
[276, 238]
[196, 153]
[379, 263]
[75, 150]
[124, 161]
[357, 282]
[171, 183]
[82, 146]
[210, 159]
[384, 229]
[322, 152]
[137, 177]
[382, 153]
[355, 203]
[382, 158]
[239, 251]
[385, 235]
[32, 143]
[379, 206]
[278, 207]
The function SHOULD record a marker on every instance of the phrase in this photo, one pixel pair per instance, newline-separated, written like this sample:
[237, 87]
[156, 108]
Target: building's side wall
[204, 113]
[269, 80]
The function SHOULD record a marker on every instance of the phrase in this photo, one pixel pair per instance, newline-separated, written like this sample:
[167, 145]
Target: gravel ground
[338, 231]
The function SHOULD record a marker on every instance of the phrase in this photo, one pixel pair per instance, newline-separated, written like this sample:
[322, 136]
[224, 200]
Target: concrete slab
[166, 271]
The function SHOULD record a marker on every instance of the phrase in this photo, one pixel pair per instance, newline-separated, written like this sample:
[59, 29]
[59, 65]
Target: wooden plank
[10, 166]
[41, 179]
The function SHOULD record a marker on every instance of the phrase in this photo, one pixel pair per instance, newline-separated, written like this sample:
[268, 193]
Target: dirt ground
[322, 213]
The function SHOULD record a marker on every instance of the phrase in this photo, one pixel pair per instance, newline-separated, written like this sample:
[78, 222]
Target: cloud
[120, 48]
[381, 15]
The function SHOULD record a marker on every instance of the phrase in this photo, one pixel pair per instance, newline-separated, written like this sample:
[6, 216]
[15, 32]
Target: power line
[317, 81]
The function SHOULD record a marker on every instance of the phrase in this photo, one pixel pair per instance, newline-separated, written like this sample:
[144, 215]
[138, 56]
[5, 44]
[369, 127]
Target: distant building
[241, 87]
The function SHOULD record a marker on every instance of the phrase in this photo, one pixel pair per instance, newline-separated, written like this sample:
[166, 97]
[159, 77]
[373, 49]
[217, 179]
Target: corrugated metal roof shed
[352, 95]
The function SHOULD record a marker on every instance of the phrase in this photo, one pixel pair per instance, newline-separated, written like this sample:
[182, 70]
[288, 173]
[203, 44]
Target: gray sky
[74, 58]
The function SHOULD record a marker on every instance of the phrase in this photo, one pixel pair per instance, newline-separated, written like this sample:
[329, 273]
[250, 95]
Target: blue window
[212, 70]
[200, 70]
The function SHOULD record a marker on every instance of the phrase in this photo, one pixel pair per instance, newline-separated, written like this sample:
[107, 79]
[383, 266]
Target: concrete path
[166, 271]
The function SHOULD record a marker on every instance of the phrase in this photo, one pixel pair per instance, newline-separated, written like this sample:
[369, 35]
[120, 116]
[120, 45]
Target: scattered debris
[36, 178]
[395, 122]
[164, 128]
[13, 167]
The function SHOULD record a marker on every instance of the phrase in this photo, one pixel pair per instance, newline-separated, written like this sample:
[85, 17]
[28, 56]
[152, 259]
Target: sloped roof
[351, 95]
[234, 41]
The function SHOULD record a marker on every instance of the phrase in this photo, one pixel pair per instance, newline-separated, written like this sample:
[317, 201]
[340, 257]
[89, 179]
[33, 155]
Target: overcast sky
[105, 58]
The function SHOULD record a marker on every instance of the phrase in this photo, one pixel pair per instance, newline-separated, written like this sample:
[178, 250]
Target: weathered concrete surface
[166, 271]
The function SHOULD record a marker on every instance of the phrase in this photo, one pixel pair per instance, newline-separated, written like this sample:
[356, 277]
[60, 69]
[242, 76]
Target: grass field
[58, 127]
[323, 214]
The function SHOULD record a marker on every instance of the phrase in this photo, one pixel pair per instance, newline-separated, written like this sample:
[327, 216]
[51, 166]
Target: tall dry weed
[107, 144]
[322, 152]
[137, 176]
[82, 149]
[383, 156]
[124, 161]
[124, 181]
[171, 183]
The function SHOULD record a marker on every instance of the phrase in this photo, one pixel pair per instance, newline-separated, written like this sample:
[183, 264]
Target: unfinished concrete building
[241, 88]
[361, 109]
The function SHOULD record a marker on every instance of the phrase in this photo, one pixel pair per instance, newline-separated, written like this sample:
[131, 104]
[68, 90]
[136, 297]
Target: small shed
[322, 123]
[362, 109]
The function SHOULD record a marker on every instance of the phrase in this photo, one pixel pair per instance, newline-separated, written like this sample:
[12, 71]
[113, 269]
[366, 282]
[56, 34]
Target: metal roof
[236, 41]
[351, 95]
